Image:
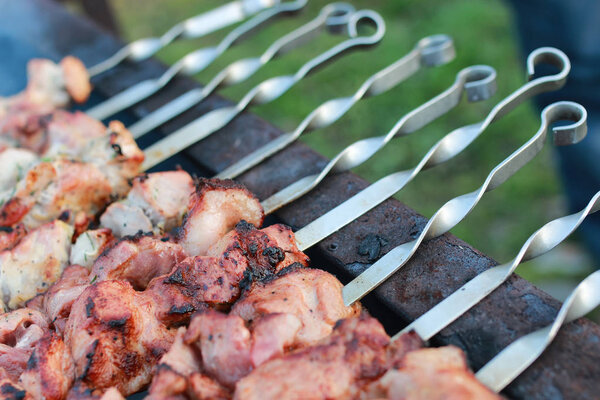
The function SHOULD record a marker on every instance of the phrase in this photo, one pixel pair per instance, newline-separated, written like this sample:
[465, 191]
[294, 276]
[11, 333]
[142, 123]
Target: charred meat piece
[50, 372]
[11, 235]
[20, 330]
[137, 259]
[34, 264]
[156, 203]
[115, 337]
[215, 208]
[243, 255]
[430, 373]
[354, 352]
[311, 295]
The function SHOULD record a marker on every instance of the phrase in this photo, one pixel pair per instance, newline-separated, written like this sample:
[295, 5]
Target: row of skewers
[177, 286]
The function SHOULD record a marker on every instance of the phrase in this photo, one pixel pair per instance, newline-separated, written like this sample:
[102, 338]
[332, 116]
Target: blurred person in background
[574, 27]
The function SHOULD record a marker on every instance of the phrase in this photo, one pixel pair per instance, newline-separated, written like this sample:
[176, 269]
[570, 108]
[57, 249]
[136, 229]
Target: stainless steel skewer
[194, 62]
[194, 27]
[477, 81]
[519, 355]
[451, 213]
[263, 93]
[430, 51]
[240, 70]
[471, 293]
[445, 149]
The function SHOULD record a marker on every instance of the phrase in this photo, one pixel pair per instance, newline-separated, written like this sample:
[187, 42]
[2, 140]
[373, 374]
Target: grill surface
[569, 369]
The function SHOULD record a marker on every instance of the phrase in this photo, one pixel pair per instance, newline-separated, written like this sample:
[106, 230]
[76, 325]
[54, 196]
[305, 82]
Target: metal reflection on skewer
[430, 51]
[194, 27]
[332, 15]
[445, 149]
[455, 210]
[263, 93]
[519, 355]
[478, 82]
[196, 61]
[471, 293]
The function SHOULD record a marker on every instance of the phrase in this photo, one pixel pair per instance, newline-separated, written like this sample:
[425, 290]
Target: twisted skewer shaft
[471, 293]
[263, 93]
[430, 51]
[240, 70]
[190, 64]
[519, 355]
[194, 27]
[445, 149]
[477, 81]
[455, 210]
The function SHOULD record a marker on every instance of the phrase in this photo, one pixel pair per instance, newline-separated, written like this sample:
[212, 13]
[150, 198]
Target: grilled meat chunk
[215, 208]
[57, 301]
[50, 372]
[433, 374]
[156, 203]
[115, 337]
[11, 235]
[35, 263]
[15, 163]
[20, 330]
[311, 295]
[137, 259]
[89, 245]
[354, 352]
[50, 86]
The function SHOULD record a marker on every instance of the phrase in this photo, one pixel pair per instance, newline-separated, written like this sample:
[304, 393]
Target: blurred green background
[483, 32]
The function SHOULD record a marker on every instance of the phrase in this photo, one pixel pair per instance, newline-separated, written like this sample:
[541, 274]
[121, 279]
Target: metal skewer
[263, 93]
[240, 70]
[193, 62]
[519, 355]
[478, 82]
[471, 293]
[194, 27]
[430, 51]
[445, 149]
[451, 213]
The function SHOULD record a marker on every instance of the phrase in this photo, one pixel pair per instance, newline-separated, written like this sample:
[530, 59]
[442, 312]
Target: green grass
[483, 34]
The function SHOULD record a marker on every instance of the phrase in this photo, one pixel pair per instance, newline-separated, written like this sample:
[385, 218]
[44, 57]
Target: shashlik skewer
[444, 150]
[238, 71]
[429, 52]
[455, 210]
[263, 93]
[194, 62]
[193, 27]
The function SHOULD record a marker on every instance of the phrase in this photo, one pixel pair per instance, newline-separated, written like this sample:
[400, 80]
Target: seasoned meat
[215, 208]
[284, 238]
[50, 372]
[15, 163]
[57, 301]
[156, 203]
[10, 390]
[52, 188]
[355, 351]
[35, 263]
[11, 235]
[20, 330]
[50, 86]
[431, 374]
[115, 337]
[90, 245]
[137, 259]
[311, 295]
[243, 255]
[80, 391]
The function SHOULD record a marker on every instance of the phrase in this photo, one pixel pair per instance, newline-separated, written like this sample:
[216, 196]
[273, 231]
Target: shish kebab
[357, 18]
[130, 213]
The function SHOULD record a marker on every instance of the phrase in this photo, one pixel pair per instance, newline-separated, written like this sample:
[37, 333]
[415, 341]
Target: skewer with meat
[50, 86]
